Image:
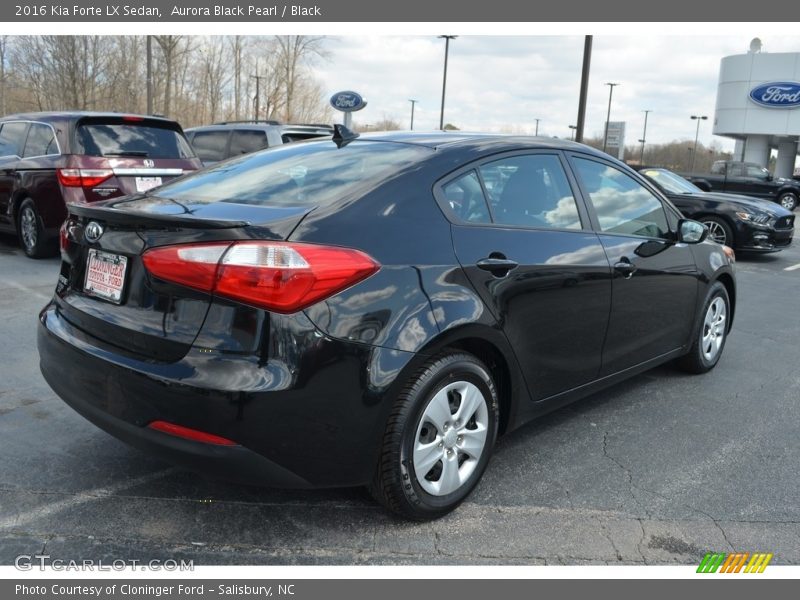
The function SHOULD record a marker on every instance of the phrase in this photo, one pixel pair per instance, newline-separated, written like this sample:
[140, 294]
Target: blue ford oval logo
[347, 101]
[777, 94]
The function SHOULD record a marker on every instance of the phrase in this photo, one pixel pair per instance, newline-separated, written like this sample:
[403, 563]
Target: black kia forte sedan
[375, 311]
[741, 222]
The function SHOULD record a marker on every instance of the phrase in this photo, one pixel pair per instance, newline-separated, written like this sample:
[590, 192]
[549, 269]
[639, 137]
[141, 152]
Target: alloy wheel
[28, 228]
[714, 326]
[716, 232]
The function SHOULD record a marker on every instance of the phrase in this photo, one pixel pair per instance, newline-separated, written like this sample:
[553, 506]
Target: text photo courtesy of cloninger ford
[399, 300]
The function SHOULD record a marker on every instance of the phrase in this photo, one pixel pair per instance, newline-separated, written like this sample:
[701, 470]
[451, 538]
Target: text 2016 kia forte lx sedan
[375, 311]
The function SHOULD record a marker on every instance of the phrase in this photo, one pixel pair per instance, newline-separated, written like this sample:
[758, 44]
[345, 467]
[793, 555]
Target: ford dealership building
[758, 104]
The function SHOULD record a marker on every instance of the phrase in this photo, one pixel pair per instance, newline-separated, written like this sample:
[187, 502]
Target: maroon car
[49, 160]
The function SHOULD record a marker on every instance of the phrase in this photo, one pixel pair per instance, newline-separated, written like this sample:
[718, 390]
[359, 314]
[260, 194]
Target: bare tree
[169, 49]
[293, 52]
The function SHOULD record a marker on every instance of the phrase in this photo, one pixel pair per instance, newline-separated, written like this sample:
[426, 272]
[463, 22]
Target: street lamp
[644, 135]
[413, 102]
[697, 118]
[537, 127]
[447, 39]
[611, 87]
[572, 133]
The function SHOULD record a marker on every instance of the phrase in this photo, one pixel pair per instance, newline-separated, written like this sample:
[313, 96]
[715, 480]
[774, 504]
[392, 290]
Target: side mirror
[691, 232]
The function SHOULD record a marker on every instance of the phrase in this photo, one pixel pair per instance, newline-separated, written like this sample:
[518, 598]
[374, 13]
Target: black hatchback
[375, 311]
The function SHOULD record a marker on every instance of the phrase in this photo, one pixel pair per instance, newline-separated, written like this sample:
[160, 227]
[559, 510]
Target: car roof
[71, 115]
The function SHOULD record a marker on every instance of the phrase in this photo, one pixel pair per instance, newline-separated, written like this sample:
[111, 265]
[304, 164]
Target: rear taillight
[281, 277]
[86, 178]
[63, 237]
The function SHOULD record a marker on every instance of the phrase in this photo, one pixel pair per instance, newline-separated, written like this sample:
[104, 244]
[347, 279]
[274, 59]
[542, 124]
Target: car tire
[718, 230]
[428, 430]
[788, 200]
[31, 233]
[709, 339]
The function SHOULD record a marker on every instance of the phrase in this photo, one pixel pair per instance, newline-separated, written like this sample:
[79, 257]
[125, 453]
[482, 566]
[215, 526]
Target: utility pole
[413, 102]
[447, 39]
[537, 126]
[572, 132]
[149, 76]
[587, 61]
[644, 136]
[611, 87]
[697, 118]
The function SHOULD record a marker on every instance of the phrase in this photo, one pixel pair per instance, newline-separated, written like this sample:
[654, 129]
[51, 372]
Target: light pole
[644, 136]
[537, 127]
[413, 102]
[587, 60]
[572, 132]
[697, 118]
[447, 39]
[611, 87]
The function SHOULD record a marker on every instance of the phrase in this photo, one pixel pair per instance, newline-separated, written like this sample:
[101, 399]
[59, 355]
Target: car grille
[785, 222]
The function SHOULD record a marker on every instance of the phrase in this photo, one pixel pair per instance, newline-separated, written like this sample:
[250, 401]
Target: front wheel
[788, 200]
[718, 230]
[438, 439]
[710, 336]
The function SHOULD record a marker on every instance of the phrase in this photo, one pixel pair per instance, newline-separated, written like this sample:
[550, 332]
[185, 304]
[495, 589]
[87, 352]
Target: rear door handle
[497, 264]
[625, 267]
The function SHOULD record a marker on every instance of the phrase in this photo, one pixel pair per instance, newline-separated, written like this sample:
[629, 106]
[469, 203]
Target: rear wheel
[788, 200]
[438, 438]
[718, 230]
[31, 234]
[711, 334]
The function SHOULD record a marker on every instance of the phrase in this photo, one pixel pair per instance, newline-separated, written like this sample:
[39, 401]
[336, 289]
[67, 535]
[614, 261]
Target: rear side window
[246, 141]
[41, 141]
[312, 174]
[622, 204]
[11, 138]
[531, 191]
[465, 198]
[131, 139]
[210, 145]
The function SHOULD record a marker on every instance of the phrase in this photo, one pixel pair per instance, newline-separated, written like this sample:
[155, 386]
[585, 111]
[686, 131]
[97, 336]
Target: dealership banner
[398, 589]
[461, 11]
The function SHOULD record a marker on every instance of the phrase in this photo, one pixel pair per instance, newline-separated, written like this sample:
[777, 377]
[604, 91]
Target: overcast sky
[499, 83]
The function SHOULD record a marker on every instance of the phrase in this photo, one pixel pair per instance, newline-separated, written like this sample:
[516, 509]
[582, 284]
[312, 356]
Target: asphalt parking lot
[657, 470]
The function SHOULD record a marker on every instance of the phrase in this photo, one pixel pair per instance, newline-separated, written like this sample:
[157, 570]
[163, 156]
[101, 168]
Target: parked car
[214, 143]
[375, 310]
[51, 160]
[741, 222]
[749, 179]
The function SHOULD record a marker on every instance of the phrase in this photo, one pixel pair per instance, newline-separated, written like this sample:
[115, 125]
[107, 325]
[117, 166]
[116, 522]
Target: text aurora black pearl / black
[249, 10]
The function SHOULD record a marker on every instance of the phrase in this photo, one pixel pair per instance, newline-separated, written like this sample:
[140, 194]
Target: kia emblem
[93, 231]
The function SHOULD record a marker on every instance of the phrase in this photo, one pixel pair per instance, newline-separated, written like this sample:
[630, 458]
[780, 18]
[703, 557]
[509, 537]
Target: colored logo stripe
[733, 563]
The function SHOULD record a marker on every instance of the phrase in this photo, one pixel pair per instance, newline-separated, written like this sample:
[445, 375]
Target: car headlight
[757, 218]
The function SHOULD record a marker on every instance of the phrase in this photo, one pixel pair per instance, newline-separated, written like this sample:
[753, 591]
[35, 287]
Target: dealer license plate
[147, 183]
[105, 275]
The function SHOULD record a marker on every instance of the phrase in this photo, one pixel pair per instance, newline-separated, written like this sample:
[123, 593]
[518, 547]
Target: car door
[655, 279]
[12, 136]
[536, 264]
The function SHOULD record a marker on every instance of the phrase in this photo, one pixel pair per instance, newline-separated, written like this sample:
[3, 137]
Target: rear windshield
[131, 139]
[310, 174]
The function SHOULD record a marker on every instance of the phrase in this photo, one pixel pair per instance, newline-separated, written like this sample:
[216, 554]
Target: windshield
[309, 174]
[672, 183]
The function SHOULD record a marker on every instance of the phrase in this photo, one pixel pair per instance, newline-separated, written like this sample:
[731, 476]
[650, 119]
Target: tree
[169, 49]
[293, 52]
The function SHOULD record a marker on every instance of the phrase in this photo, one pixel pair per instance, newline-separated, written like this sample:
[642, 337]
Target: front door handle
[625, 267]
[497, 264]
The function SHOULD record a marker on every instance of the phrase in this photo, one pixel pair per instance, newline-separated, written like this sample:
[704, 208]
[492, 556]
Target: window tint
[128, 139]
[311, 174]
[756, 171]
[530, 191]
[41, 141]
[11, 138]
[210, 145]
[622, 204]
[465, 198]
[244, 141]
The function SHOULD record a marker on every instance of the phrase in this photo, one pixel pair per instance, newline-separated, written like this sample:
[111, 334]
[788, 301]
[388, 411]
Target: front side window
[622, 204]
[530, 191]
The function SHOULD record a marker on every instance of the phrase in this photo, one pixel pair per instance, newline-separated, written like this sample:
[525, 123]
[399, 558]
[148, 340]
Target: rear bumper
[320, 428]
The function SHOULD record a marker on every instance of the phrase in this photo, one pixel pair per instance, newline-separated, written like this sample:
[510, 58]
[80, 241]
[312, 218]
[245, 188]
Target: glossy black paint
[772, 236]
[307, 395]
